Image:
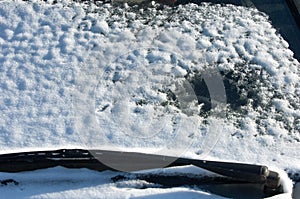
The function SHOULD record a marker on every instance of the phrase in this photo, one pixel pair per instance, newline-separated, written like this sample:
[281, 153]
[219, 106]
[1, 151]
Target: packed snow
[126, 77]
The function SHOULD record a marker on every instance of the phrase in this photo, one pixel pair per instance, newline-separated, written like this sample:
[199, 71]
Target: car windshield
[215, 80]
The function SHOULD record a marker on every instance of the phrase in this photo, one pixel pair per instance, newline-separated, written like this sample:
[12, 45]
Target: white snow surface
[76, 75]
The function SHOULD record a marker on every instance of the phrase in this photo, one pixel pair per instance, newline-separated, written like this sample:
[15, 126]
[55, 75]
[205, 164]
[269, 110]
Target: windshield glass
[216, 79]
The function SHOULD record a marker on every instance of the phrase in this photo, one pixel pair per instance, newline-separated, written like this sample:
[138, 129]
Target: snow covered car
[170, 99]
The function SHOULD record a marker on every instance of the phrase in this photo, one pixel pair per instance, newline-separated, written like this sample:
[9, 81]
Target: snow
[83, 183]
[88, 76]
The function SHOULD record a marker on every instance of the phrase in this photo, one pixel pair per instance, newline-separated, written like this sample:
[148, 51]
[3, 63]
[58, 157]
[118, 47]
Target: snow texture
[121, 77]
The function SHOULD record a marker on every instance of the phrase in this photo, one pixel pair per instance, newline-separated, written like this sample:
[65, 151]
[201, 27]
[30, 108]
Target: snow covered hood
[140, 79]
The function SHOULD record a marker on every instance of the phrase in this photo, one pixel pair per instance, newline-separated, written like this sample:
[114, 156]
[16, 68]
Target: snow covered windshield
[196, 80]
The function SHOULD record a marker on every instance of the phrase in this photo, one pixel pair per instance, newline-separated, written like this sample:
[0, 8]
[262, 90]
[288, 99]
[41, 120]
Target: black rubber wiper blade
[33, 160]
[79, 158]
[219, 185]
[231, 177]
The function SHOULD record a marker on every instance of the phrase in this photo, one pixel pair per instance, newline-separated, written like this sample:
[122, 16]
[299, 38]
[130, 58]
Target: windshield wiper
[230, 173]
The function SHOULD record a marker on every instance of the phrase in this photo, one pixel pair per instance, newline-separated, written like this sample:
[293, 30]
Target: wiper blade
[79, 158]
[69, 158]
[232, 177]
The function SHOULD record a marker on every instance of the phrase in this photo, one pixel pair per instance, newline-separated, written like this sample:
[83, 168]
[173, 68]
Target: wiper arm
[79, 158]
[69, 158]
